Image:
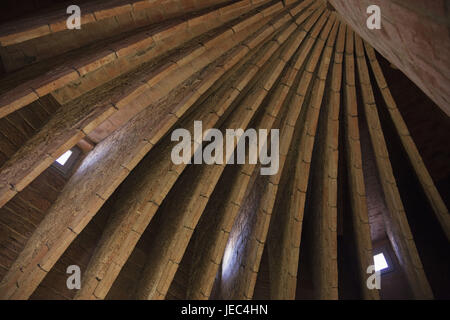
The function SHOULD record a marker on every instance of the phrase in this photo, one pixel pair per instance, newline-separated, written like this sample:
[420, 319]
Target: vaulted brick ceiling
[143, 227]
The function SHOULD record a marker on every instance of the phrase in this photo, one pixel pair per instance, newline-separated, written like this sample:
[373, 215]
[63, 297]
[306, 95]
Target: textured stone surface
[414, 37]
[140, 226]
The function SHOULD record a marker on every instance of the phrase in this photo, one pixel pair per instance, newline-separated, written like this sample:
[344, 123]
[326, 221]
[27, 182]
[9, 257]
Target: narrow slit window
[67, 160]
[63, 159]
[380, 262]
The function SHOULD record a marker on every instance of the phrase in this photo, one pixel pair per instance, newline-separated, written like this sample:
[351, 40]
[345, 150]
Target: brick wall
[22, 214]
[414, 36]
[47, 35]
